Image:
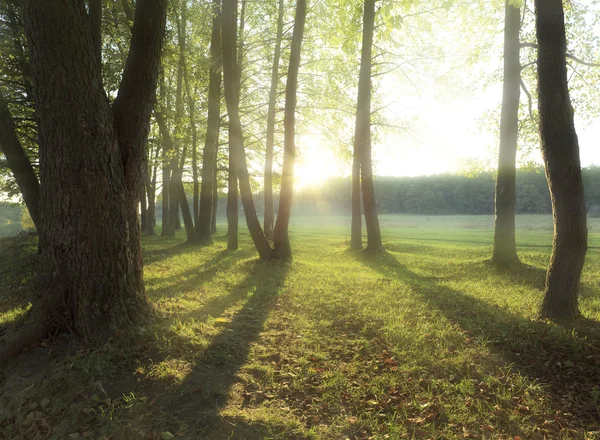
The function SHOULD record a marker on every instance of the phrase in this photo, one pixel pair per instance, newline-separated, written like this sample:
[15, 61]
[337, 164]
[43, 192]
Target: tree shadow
[563, 360]
[197, 275]
[207, 388]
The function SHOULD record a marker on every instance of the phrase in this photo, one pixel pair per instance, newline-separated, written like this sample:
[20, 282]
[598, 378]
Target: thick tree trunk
[363, 131]
[90, 267]
[283, 249]
[133, 107]
[505, 249]
[19, 163]
[203, 227]
[560, 150]
[236, 136]
[96, 24]
[269, 219]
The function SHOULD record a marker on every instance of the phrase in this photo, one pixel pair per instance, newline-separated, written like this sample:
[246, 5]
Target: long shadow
[207, 387]
[198, 275]
[566, 363]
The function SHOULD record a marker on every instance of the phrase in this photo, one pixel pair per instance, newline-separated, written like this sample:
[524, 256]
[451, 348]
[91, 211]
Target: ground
[425, 341]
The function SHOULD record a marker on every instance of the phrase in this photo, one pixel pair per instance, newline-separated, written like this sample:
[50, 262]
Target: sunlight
[314, 163]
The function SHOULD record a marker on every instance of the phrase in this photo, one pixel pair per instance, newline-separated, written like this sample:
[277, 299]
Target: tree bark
[96, 24]
[283, 249]
[19, 163]
[236, 135]
[356, 225]
[90, 168]
[269, 219]
[133, 107]
[560, 150]
[363, 131]
[203, 226]
[505, 248]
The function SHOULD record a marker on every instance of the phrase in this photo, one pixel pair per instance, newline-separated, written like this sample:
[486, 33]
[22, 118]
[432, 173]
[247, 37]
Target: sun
[314, 163]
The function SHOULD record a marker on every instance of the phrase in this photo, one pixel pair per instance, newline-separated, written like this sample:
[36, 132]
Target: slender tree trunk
[560, 150]
[269, 220]
[505, 249]
[167, 229]
[203, 227]
[236, 141]
[91, 170]
[213, 221]
[232, 182]
[144, 211]
[19, 163]
[363, 131]
[96, 24]
[283, 249]
[356, 225]
[151, 211]
[232, 199]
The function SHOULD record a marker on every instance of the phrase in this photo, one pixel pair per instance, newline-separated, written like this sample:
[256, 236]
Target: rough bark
[203, 226]
[505, 249]
[560, 150]
[19, 163]
[236, 135]
[133, 107]
[96, 24]
[269, 219]
[363, 131]
[281, 238]
[89, 265]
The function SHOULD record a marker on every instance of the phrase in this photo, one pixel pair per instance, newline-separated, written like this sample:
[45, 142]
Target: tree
[91, 167]
[505, 249]
[209, 155]
[362, 143]
[281, 237]
[269, 220]
[560, 150]
[19, 163]
[236, 141]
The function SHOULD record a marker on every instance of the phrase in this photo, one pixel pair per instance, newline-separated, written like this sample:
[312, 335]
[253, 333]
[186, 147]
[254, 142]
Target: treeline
[447, 194]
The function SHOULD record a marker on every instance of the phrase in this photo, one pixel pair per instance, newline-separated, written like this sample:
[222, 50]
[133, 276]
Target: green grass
[425, 341]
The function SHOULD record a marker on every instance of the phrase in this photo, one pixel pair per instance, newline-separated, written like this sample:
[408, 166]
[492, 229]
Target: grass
[425, 341]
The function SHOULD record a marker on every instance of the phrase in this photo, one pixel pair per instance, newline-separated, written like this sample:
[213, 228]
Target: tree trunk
[96, 24]
[269, 220]
[151, 203]
[356, 225]
[505, 249]
[560, 150]
[144, 211]
[203, 227]
[235, 129]
[232, 199]
[19, 163]
[133, 107]
[166, 230]
[283, 249]
[363, 131]
[213, 221]
[90, 274]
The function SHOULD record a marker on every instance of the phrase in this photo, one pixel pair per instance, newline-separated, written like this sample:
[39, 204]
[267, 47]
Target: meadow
[427, 340]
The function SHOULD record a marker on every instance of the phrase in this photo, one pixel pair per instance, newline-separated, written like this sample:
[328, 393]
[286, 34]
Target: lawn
[425, 341]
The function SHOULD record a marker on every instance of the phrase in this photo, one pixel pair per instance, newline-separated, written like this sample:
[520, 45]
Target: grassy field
[425, 341]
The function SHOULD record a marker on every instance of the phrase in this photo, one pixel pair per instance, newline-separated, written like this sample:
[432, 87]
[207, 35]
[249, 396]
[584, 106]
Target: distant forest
[441, 194]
